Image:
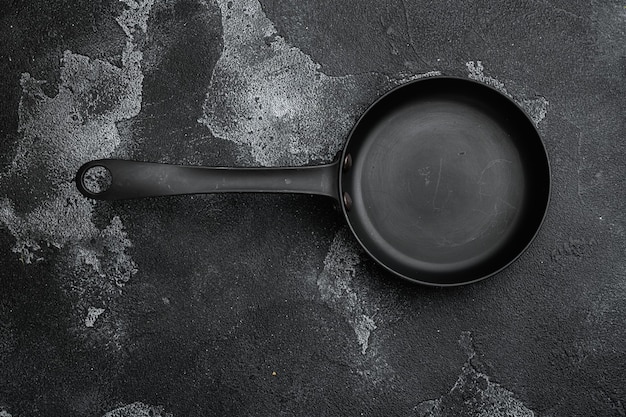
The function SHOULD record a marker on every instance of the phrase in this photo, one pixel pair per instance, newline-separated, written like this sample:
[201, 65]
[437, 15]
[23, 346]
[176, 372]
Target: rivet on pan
[347, 163]
[347, 201]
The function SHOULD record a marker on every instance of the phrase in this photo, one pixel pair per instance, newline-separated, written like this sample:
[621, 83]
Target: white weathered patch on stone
[476, 72]
[92, 315]
[272, 99]
[536, 108]
[138, 409]
[60, 133]
[474, 394]
[338, 288]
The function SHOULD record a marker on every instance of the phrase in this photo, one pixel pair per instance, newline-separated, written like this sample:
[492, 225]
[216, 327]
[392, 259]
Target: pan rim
[468, 81]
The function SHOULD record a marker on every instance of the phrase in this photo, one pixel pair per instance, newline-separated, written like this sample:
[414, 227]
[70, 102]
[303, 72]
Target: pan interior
[449, 181]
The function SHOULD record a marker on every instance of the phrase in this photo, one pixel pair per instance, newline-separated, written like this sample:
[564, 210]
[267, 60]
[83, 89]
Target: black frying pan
[443, 181]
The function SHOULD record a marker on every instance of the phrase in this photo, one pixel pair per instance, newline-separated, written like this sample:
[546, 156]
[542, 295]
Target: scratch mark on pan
[438, 180]
[506, 203]
[490, 165]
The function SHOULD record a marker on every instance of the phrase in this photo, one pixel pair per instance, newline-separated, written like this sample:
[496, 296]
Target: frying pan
[443, 181]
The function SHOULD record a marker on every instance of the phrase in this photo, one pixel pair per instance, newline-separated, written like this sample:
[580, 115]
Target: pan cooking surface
[442, 181]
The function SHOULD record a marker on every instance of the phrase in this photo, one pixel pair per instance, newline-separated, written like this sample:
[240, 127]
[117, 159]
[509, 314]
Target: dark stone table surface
[264, 305]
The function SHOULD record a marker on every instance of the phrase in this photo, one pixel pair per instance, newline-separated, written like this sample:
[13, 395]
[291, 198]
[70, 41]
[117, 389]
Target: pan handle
[130, 179]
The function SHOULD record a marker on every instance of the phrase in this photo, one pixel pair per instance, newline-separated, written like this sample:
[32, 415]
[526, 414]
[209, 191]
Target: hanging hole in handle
[96, 179]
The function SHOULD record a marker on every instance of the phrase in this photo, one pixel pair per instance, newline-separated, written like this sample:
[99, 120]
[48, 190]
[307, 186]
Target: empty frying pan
[443, 181]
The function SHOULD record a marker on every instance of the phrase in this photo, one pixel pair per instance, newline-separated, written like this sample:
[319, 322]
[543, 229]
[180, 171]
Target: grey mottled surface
[263, 304]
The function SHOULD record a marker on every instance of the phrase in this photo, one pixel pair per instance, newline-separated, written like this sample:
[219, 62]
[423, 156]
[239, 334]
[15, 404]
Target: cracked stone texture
[263, 305]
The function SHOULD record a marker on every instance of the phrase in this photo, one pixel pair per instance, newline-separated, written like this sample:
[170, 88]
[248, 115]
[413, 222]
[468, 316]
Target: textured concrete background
[263, 305]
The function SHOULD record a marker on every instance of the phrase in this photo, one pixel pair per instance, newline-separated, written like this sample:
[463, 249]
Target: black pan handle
[131, 179]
